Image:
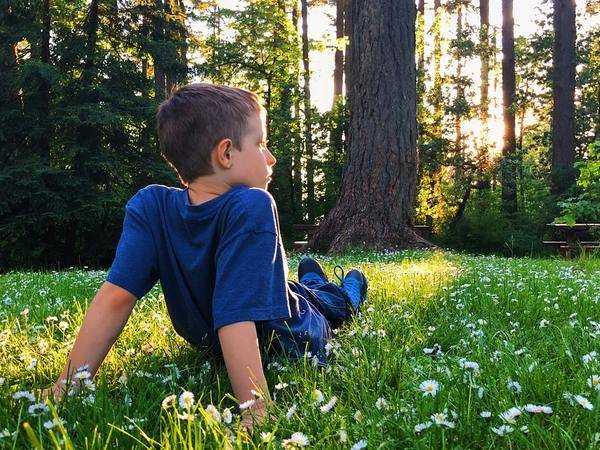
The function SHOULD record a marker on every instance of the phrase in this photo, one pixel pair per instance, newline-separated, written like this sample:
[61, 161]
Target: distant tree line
[80, 82]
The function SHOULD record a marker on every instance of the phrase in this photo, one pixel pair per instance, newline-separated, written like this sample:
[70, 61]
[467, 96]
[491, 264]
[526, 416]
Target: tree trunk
[376, 203]
[420, 43]
[509, 183]
[310, 164]
[437, 75]
[484, 102]
[297, 157]
[563, 93]
[484, 42]
[459, 86]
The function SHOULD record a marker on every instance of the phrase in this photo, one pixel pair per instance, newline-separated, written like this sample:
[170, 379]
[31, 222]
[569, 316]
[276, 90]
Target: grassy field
[450, 351]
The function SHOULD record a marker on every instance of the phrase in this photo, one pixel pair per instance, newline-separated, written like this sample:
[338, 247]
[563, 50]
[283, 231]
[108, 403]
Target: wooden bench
[309, 230]
[574, 239]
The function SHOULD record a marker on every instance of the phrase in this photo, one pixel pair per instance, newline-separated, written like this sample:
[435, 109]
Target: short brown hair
[195, 118]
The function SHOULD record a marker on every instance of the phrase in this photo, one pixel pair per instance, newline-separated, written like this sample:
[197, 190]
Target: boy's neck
[204, 189]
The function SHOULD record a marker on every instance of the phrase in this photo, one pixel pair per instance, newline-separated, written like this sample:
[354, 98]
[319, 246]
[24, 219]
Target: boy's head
[201, 124]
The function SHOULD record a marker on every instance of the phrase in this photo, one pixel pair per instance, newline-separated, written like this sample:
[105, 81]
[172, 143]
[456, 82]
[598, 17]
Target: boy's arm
[239, 344]
[104, 320]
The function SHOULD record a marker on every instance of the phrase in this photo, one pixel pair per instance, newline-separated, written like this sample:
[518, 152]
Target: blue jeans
[316, 308]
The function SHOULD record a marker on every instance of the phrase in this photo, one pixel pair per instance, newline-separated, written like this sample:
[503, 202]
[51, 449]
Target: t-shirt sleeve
[135, 267]
[251, 272]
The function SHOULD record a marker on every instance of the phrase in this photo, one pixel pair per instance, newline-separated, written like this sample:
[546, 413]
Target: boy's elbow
[114, 297]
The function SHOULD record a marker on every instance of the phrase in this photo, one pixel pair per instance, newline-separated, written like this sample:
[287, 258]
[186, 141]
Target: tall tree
[509, 177]
[563, 93]
[308, 143]
[376, 204]
[484, 51]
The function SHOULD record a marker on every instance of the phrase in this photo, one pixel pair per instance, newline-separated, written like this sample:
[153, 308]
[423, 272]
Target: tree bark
[310, 164]
[376, 204]
[509, 183]
[563, 93]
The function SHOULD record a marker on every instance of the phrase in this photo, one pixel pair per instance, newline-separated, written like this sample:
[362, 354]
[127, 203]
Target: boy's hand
[105, 318]
[56, 391]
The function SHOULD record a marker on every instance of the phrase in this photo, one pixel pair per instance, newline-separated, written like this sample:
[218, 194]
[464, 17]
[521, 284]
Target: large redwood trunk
[376, 203]
[563, 92]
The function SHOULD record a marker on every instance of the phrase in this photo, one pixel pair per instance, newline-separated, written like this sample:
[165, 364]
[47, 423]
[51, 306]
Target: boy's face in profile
[252, 163]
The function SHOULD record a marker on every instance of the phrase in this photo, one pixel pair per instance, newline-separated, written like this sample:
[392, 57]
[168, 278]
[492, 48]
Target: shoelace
[339, 269]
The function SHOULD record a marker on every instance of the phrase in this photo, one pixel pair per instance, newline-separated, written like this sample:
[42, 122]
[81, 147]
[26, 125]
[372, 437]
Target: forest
[507, 123]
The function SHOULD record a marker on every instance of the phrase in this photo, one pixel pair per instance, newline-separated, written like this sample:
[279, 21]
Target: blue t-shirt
[219, 262]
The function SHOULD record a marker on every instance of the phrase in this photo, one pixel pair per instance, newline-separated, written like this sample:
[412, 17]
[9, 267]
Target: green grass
[485, 310]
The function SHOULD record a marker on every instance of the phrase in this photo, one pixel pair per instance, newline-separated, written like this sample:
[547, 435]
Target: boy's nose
[271, 160]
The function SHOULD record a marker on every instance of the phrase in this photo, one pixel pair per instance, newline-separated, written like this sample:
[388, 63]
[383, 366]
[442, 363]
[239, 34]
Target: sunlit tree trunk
[563, 93]
[376, 203]
[509, 188]
[297, 156]
[308, 144]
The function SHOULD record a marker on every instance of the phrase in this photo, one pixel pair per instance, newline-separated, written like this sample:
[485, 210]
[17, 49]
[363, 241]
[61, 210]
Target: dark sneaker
[309, 270]
[355, 284]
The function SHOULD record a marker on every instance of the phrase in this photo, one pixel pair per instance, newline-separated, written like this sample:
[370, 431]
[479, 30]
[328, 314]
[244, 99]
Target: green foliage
[585, 206]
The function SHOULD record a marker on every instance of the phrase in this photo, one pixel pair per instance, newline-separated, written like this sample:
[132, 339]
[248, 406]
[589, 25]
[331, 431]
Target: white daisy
[330, 404]
[537, 409]
[510, 416]
[584, 402]
[280, 386]
[37, 409]
[359, 445]
[266, 437]
[53, 423]
[291, 411]
[485, 414]
[593, 382]
[381, 404]
[514, 386]
[317, 396]
[213, 413]
[429, 387]
[295, 441]
[343, 436]
[186, 399]
[24, 394]
[82, 375]
[421, 426]
[589, 357]
[168, 401]
[227, 416]
[247, 404]
[503, 430]
[358, 415]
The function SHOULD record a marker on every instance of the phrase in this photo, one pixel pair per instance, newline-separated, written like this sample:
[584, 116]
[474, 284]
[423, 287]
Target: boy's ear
[223, 153]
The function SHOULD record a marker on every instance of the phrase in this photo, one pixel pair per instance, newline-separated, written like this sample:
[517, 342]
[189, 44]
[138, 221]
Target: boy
[216, 248]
